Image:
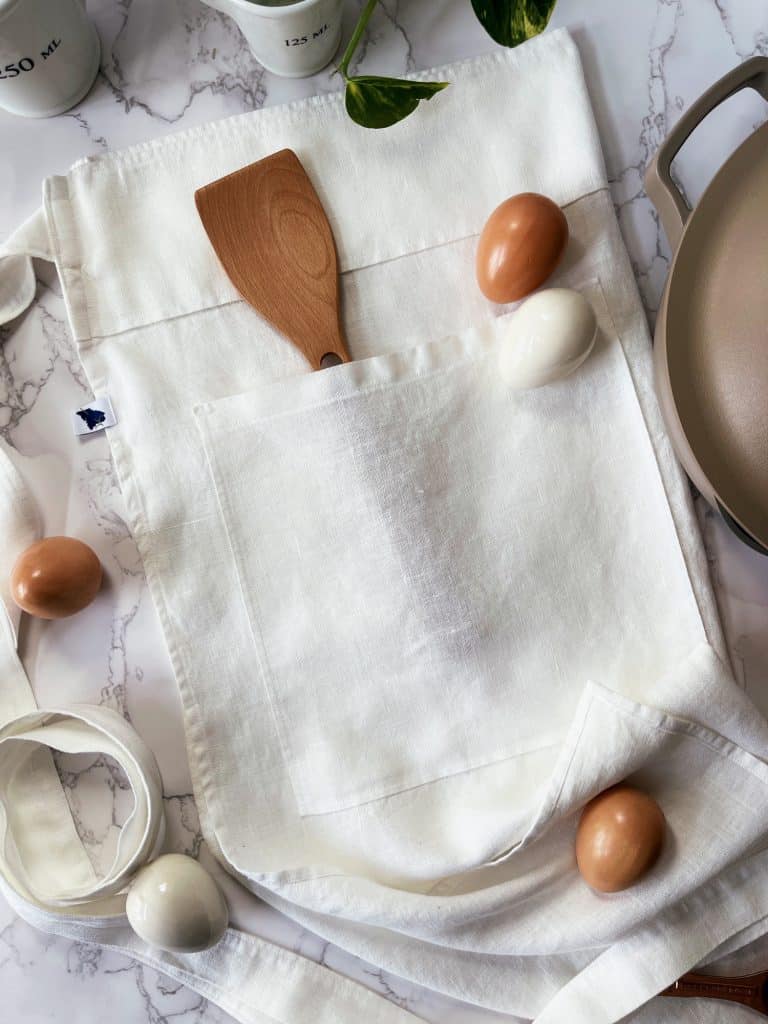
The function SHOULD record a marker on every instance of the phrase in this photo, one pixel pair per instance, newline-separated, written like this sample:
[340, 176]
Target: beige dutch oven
[711, 343]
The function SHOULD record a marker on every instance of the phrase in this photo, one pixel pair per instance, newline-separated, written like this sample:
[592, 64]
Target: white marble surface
[174, 64]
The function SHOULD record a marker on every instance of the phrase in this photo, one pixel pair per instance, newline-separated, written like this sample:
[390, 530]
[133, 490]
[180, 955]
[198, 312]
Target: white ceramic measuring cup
[49, 56]
[293, 38]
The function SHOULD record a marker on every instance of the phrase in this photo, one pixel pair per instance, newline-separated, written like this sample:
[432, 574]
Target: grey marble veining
[171, 65]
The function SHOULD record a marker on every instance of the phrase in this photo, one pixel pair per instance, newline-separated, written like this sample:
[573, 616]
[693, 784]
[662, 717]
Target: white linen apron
[417, 620]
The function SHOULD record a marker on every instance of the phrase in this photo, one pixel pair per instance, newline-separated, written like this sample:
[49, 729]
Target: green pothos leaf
[376, 102]
[511, 22]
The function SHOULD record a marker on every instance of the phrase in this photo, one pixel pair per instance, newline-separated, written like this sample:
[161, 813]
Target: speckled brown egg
[619, 838]
[56, 577]
[521, 244]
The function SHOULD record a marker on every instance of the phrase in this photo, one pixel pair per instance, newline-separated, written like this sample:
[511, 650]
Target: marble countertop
[170, 65]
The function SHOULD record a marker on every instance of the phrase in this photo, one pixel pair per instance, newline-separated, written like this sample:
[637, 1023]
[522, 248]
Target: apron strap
[253, 980]
[42, 859]
[17, 277]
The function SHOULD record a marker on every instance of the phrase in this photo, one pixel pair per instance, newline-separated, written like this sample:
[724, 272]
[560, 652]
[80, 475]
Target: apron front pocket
[433, 564]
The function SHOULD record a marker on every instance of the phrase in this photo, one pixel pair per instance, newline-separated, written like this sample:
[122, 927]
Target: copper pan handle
[662, 191]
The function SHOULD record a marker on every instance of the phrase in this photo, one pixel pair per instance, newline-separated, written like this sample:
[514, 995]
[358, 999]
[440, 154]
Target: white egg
[551, 334]
[174, 904]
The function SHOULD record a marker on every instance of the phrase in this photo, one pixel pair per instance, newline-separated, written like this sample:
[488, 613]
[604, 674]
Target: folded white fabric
[433, 565]
[424, 619]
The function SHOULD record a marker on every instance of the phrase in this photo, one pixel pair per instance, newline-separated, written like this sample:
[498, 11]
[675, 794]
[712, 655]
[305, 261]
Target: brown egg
[619, 838]
[521, 244]
[55, 577]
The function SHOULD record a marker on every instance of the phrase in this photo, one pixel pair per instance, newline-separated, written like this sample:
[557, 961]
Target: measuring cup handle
[662, 191]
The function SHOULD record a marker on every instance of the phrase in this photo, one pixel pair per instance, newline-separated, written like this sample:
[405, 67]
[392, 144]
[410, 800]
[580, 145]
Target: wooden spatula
[750, 990]
[271, 234]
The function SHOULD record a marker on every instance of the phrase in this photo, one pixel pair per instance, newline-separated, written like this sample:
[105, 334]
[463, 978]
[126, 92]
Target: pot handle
[671, 204]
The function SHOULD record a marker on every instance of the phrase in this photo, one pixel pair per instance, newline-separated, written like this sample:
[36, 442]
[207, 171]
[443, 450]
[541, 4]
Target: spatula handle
[747, 991]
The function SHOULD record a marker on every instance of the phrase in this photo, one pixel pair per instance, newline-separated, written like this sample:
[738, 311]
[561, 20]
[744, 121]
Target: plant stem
[349, 53]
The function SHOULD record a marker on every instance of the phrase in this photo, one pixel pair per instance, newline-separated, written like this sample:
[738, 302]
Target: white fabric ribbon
[17, 276]
[42, 859]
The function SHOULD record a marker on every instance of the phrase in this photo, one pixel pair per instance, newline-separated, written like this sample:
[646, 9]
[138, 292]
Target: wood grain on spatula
[750, 990]
[270, 232]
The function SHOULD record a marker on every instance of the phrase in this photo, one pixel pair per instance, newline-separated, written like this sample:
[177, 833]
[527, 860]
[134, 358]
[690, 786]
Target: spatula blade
[271, 234]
